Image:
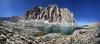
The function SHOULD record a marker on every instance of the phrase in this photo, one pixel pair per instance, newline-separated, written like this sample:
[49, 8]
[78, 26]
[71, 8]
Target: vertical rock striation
[51, 13]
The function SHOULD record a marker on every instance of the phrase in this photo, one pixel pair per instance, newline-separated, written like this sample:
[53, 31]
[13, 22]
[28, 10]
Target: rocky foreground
[21, 33]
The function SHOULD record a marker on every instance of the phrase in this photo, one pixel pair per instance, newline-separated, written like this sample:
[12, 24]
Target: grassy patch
[40, 34]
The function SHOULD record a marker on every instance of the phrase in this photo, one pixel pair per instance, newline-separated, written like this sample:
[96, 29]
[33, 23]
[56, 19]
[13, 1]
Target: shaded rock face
[51, 13]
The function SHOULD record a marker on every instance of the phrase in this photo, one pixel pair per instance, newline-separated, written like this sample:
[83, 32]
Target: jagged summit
[51, 13]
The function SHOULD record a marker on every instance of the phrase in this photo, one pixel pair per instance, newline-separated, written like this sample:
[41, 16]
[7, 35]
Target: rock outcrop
[51, 13]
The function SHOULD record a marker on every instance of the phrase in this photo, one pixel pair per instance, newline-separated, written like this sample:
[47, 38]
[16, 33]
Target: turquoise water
[57, 29]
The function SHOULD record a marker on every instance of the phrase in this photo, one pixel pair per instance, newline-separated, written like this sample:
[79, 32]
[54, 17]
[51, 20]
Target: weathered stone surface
[82, 36]
[51, 13]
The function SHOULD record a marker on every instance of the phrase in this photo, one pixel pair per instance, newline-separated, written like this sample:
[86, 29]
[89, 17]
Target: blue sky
[85, 11]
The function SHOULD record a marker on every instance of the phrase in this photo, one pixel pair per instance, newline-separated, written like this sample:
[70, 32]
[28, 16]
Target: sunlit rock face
[51, 14]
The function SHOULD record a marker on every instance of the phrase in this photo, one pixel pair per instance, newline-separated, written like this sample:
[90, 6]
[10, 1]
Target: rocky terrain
[49, 25]
[51, 13]
[14, 33]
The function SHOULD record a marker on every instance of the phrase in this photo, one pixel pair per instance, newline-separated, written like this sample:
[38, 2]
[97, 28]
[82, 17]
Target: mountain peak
[51, 13]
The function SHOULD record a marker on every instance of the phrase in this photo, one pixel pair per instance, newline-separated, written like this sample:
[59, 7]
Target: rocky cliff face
[51, 13]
